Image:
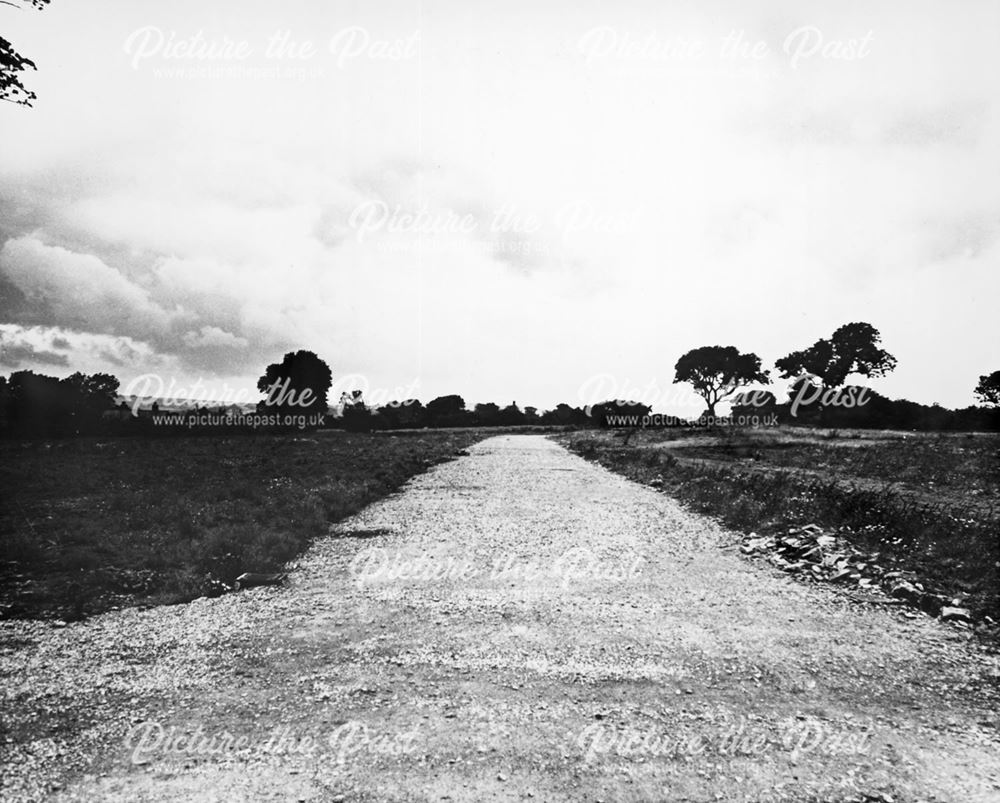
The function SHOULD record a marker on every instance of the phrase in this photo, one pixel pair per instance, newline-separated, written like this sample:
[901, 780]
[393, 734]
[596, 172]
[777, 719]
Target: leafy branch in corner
[12, 63]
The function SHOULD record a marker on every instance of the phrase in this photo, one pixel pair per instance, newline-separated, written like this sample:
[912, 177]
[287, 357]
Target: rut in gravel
[518, 624]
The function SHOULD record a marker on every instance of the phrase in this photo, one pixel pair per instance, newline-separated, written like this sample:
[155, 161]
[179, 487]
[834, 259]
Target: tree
[407, 414]
[411, 413]
[511, 415]
[853, 349]
[299, 383]
[988, 389]
[565, 414]
[43, 405]
[446, 411]
[717, 372]
[13, 63]
[487, 414]
[97, 391]
[618, 412]
[355, 415]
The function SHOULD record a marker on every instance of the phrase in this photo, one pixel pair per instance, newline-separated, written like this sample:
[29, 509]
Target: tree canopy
[446, 411]
[35, 404]
[988, 389]
[301, 381]
[853, 349]
[717, 372]
[617, 412]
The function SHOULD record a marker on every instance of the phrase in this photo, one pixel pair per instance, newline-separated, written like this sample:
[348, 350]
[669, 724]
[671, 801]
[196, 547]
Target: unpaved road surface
[518, 624]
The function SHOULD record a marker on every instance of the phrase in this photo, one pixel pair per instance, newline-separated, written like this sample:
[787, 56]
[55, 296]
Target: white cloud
[79, 289]
[213, 337]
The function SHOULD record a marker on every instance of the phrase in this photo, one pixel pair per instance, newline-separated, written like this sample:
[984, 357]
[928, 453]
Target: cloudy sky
[508, 201]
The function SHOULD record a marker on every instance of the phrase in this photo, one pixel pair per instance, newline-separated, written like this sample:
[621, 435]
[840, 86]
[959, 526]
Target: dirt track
[557, 633]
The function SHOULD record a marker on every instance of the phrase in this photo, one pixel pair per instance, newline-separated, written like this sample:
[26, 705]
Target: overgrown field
[923, 505]
[90, 524]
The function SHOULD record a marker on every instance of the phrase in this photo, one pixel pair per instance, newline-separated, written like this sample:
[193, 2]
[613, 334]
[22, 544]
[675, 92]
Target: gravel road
[517, 624]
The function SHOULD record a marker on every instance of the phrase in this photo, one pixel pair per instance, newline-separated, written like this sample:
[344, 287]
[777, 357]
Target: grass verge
[947, 545]
[89, 524]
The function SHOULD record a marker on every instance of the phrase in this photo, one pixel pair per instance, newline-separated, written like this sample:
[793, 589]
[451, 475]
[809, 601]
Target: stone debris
[699, 642]
[956, 614]
[252, 580]
[808, 552]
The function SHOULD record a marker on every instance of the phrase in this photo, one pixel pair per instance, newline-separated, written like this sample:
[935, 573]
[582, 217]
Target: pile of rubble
[810, 553]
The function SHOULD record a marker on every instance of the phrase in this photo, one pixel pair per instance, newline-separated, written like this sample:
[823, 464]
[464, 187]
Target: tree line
[35, 405]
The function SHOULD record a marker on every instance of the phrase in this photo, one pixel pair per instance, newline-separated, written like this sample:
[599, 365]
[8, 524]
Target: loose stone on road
[517, 624]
